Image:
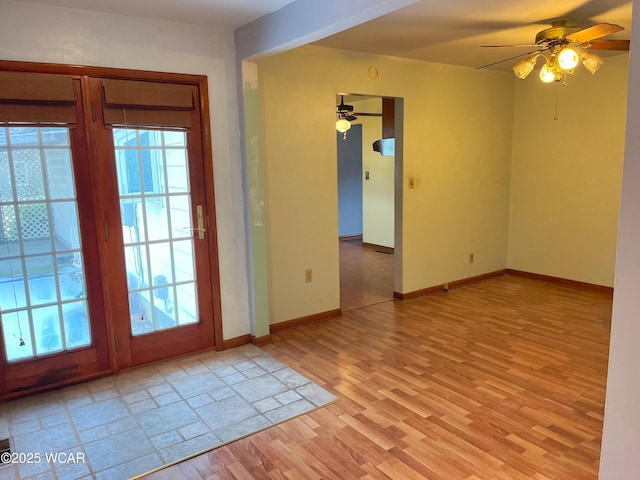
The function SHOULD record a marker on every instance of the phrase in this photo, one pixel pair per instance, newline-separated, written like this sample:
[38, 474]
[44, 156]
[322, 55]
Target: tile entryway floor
[122, 426]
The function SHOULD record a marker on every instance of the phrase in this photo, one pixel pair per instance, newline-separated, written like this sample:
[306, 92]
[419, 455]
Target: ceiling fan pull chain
[555, 116]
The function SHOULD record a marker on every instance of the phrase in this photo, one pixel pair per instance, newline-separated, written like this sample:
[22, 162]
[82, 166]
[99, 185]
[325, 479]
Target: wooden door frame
[200, 81]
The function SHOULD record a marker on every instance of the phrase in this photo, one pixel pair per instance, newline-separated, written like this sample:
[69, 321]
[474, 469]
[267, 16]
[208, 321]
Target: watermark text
[47, 457]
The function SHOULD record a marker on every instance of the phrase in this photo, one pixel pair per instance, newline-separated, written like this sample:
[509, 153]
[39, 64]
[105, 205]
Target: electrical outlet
[471, 258]
[308, 275]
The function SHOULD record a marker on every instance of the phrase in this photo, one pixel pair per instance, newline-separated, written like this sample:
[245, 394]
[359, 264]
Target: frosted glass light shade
[547, 73]
[568, 59]
[592, 62]
[524, 67]
[343, 125]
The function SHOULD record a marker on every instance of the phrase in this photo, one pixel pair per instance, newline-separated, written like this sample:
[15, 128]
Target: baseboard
[260, 341]
[477, 278]
[418, 293]
[243, 340]
[348, 238]
[296, 322]
[318, 317]
[563, 281]
[380, 248]
[236, 342]
[448, 286]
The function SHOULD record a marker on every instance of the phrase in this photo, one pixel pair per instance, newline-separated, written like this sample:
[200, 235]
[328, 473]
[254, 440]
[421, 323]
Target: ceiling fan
[345, 116]
[563, 46]
[345, 111]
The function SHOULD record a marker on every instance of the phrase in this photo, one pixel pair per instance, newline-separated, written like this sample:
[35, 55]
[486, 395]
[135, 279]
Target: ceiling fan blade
[621, 45]
[596, 31]
[534, 52]
[522, 45]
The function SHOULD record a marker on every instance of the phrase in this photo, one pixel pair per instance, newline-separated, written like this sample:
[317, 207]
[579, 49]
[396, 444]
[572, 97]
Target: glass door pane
[155, 208]
[43, 300]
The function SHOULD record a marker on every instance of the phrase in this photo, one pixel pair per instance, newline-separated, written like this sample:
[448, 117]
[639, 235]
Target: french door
[156, 207]
[107, 251]
[53, 326]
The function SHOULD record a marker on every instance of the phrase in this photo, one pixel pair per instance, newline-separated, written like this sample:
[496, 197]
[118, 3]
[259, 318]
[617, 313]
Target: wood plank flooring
[366, 275]
[503, 379]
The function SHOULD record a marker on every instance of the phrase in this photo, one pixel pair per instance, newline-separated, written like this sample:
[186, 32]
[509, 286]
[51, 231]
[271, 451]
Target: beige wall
[378, 199]
[566, 174]
[377, 192]
[457, 145]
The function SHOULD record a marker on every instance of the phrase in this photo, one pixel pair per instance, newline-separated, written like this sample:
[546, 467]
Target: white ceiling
[448, 31]
[452, 31]
[227, 14]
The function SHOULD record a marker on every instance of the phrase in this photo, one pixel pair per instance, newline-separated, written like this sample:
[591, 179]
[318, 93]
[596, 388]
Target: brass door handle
[201, 229]
[200, 215]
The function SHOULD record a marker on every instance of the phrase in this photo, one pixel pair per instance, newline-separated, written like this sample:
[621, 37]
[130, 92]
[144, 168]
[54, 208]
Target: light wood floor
[366, 275]
[503, 379]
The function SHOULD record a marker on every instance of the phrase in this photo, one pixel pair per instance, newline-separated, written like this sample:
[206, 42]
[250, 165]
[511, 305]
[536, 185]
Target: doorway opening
[368, 202]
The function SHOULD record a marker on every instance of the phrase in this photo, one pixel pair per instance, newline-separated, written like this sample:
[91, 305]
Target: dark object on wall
[387, 145]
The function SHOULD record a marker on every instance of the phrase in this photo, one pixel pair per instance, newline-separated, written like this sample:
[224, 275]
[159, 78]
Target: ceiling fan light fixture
[568, 58]
[525, 66]
[592, 62]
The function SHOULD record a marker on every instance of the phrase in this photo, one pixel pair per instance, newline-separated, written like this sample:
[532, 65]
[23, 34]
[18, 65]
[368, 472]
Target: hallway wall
[566, 174]
[457, 146]
[349, 152]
